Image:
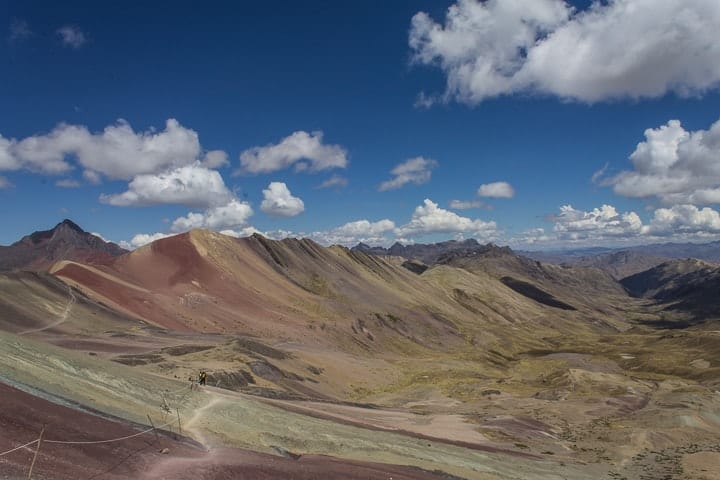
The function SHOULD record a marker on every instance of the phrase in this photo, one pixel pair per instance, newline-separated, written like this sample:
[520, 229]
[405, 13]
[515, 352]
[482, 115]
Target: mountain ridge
[39, 250]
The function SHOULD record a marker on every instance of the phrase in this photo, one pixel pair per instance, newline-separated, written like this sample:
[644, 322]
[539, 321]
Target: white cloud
[71, 36]
[684, 220]
[496, 190]
[599, 223]
[355, 232]
[531, 237]
[142, 239]
[4, 182]
[467, 205]
[613, 49]
[215, 159]
[245, 232]
[674, 165]
[305, 150]
[194, 186]
[8, 161]
[67, 183]
[92, 177]
[279, 201]
[606, 226]
[100, 237]
[334, 181]
[416, 170]
[117, 152]
[226, 217]
[429, 218]
[36, 154]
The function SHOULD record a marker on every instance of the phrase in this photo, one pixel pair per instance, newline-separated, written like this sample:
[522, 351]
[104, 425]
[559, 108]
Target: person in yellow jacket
[202, 377]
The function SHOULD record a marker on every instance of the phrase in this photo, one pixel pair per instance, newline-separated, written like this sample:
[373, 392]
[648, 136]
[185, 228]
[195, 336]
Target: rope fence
[40, 440]
[20, 447]
[88, 442]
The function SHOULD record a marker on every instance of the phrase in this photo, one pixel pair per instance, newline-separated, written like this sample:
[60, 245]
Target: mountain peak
[69, 223]
[432, 253]
[66, 241]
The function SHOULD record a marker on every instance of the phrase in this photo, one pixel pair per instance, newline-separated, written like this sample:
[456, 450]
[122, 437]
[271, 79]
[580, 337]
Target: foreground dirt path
[62, 318]
[192, 426]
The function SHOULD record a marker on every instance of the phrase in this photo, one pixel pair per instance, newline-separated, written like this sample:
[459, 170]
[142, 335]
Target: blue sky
[566, 125]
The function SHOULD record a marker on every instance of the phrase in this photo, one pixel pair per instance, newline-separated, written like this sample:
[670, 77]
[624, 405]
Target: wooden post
[157, 438]
[37, 450]
[179, 425]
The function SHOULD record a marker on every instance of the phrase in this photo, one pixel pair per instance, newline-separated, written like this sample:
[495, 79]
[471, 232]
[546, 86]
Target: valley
[339, 362]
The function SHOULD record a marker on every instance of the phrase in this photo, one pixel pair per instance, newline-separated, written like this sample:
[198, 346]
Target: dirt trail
[62, 318]
[192, 425]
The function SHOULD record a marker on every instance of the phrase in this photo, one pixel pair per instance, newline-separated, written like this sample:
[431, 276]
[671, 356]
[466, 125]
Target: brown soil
[23, 415]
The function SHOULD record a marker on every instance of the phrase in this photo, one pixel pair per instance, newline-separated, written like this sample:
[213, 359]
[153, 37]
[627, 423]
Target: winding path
[191, 427]
[62, 318]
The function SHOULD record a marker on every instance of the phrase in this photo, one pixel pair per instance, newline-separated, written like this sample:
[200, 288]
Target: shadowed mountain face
[560, 287]
[67, 241]
[620, 264]
[689, 285]
[427, 253]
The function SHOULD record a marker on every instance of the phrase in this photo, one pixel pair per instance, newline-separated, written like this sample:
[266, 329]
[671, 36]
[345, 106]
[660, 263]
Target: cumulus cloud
[304, 150]
[194, 186]
[684, 220]
[278, 201]
[605, 225]
[613, 49]
[599, 223]
[416, 170]
[71, 36]
[674, 165]
[118, 152]
[215, 159]
[352, 233]
[334, 181]
[428, 218]
[467, 205]
[8, 160]
[142, 239]
[531, 237]
[231, 216]
[244, 232]
[496, 190]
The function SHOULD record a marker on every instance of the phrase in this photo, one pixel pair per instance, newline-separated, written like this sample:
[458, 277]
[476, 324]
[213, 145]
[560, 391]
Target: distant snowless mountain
[624, 262]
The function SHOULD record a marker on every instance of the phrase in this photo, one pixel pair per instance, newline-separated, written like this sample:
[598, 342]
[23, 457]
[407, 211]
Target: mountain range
[460, 359]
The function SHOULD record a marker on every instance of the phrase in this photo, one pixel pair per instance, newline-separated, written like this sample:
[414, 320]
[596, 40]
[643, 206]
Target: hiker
[202, 377]
[191, 379]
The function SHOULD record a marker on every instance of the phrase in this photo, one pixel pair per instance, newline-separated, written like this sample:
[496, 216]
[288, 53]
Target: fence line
[20, 447]
[90, 442]
[40, 439]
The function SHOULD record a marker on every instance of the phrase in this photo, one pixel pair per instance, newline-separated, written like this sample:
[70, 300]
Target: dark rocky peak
[66, 241]
[479, 251]
[432, 253]
[64, 228]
